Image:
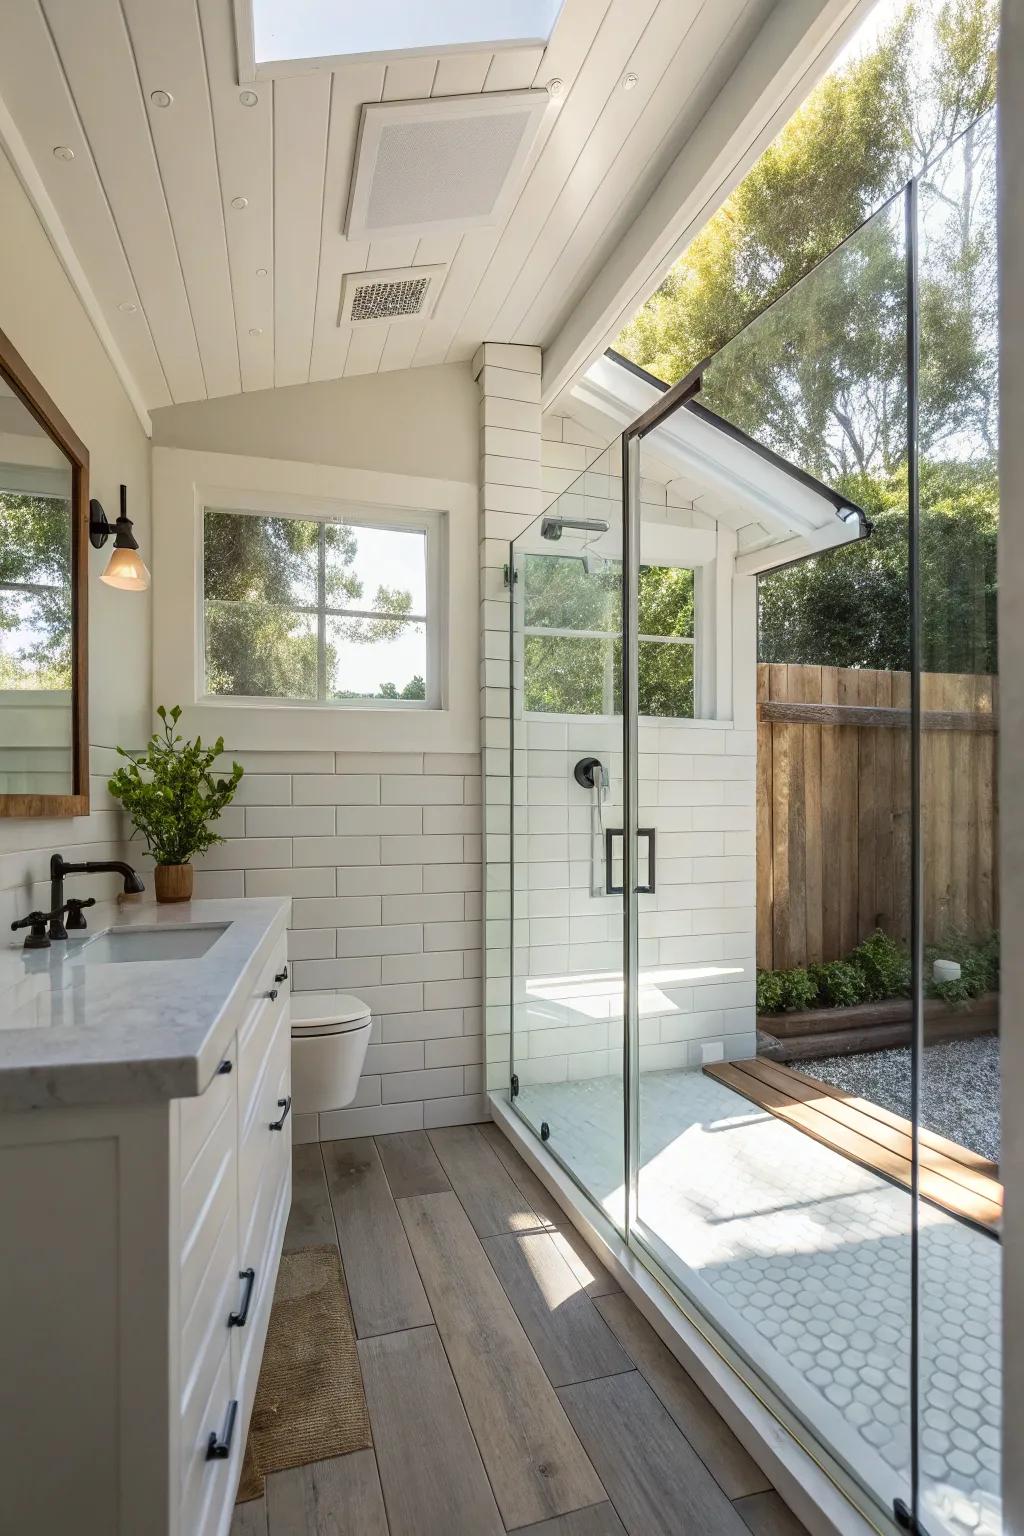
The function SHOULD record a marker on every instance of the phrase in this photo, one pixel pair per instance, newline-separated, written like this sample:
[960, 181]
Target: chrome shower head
[552, 527]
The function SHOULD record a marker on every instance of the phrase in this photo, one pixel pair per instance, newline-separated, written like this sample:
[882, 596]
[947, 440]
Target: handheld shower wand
[590, 773]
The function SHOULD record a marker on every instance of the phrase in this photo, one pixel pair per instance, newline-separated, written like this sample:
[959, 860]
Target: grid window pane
[376, 659]
[567, 674]
[580, 673]
[305, 609]
[559, 592]
[665, 601]
[260, 559]
[260, 650]
[376, 570]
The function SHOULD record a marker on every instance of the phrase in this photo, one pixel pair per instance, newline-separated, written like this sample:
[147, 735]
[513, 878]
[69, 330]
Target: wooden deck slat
[858, 1147]
[931, 1139]
[899, 1140]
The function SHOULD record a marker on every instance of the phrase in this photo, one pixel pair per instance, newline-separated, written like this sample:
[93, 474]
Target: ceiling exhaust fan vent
[401, 293]
[448, 163]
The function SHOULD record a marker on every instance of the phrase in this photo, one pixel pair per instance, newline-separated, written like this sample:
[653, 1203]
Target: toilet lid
[327, 1012]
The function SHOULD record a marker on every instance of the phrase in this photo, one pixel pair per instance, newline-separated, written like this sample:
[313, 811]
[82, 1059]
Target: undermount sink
[116, 945]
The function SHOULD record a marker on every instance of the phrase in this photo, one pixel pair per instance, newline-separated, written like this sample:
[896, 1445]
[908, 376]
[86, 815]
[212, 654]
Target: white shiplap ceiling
[202, 297]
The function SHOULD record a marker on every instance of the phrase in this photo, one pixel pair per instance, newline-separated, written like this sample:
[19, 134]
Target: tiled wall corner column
[510, 498]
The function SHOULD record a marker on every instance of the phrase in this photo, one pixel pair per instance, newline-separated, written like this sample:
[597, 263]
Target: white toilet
[330, 1033]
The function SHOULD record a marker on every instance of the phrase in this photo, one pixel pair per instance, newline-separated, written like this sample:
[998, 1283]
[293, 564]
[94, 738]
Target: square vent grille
[400, 293]
[443, 164]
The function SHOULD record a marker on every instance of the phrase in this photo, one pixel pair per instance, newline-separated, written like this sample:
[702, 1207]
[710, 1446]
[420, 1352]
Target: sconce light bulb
[127, 570]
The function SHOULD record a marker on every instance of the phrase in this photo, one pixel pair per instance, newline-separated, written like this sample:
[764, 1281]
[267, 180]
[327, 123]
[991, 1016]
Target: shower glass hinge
[509, 575]
[515, 1085]
[905, 1519]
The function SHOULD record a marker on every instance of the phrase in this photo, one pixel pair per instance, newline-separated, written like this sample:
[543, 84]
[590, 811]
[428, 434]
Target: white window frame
[432, 524]
[697, 641]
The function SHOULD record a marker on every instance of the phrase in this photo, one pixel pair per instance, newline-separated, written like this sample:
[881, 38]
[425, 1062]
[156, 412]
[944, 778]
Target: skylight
[290, 30]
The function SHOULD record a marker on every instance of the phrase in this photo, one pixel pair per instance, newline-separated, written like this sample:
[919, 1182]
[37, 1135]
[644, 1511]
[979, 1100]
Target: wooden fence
[833, 808]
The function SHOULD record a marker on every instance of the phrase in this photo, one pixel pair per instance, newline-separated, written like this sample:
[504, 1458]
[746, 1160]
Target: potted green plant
[172, 797]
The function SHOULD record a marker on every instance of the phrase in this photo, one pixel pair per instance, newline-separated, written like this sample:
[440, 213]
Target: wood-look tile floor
[511, 1385]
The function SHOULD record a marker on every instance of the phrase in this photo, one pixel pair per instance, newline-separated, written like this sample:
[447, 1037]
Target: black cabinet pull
[224, 1068]
[238, 1319]
[285, 1104]
[219, 1449]
[282, 975]
[272, 994]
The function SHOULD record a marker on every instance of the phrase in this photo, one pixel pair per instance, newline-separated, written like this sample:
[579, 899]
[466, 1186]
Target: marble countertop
[74, 1032]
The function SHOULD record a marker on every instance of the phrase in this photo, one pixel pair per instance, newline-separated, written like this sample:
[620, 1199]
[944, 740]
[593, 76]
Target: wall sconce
[126, 568]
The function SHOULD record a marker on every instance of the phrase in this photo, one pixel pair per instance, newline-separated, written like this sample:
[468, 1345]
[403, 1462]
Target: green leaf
[170, 794]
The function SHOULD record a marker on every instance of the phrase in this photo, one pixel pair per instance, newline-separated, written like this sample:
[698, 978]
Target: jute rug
[309, 1401]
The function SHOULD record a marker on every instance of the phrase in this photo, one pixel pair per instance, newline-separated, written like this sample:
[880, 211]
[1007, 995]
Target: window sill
[671, 722]
[333, 727]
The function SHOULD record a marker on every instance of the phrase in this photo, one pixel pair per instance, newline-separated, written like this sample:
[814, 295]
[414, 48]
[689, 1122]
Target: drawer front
[273, 976]
[204, 1324]
[200, 1114]
[254, 1051]
[209, 1197]
[247, 1343]
[257, 1141]
[262, 1227]
[208, 1484]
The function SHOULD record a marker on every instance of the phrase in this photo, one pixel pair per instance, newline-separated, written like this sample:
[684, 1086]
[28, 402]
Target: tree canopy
[265, 579]
[35, 591]
[815, 365]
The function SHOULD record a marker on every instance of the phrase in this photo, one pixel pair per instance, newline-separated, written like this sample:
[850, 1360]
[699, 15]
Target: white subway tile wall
[697, 790]
[381, 857]
[696, 949]
[26, 846]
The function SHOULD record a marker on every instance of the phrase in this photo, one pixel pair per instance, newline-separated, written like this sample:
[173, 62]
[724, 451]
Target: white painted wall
[416, 421]
[43, 317]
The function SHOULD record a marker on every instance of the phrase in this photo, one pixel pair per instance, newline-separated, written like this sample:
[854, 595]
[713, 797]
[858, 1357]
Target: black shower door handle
[609, 860]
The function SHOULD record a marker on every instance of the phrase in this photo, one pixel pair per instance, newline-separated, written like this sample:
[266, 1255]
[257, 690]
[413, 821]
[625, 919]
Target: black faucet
[59, 867]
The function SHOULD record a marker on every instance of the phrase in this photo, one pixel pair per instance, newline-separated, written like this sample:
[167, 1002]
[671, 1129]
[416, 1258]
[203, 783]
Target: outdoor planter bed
[811, 1032]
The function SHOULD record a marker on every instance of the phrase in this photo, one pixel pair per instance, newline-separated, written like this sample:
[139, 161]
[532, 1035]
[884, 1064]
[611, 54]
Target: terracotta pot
[173, 882]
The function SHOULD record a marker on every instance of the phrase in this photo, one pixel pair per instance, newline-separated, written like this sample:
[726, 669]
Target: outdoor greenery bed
[879, 970]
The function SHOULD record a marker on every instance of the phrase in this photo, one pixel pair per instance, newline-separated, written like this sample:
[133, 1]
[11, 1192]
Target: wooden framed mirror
[44, 601]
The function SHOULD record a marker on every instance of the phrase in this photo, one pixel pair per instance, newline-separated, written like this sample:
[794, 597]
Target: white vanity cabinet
[140, 1246]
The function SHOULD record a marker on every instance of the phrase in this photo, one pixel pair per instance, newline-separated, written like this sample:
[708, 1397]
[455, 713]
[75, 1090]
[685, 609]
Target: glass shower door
[567, 972]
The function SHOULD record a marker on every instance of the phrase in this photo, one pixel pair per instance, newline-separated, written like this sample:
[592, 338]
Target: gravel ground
[959, 1086]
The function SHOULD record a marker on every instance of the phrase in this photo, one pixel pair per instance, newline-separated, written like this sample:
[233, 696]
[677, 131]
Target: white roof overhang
[779, 512]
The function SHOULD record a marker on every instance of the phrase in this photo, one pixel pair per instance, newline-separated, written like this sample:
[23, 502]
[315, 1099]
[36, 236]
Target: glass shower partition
[567, 973]
[783, 844]
[754, 954]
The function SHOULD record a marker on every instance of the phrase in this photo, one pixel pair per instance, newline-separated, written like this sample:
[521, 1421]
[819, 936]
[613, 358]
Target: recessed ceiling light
[62, 152]
[239, 203]
[248, 98]
[127, 308]
[255, 330]
[161, 98]
[630, 82]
